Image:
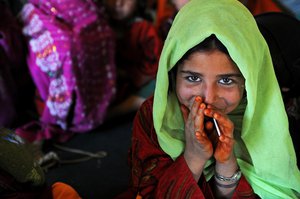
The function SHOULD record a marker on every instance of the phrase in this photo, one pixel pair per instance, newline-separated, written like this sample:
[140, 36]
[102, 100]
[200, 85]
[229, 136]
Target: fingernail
[198, 99]
[202, 106]
[222, 138]
[216, 116]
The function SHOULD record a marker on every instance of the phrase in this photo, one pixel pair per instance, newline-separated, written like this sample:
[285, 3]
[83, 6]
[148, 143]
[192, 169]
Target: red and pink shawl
[71, 60]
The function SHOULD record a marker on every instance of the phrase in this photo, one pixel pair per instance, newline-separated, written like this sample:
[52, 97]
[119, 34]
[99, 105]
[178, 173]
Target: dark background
[97, 178]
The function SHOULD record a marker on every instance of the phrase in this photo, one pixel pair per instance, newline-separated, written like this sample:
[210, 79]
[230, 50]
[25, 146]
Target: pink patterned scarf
[71, 60]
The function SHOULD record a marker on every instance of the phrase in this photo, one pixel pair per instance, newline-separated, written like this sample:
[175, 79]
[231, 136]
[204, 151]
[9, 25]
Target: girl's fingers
[201, 137]
[195, 106]
[225, 124]
[209, 125]
[226, 139]
[199, 118]
[221, 118]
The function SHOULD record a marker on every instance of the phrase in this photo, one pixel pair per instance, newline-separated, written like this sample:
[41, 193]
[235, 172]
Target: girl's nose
[209, 94]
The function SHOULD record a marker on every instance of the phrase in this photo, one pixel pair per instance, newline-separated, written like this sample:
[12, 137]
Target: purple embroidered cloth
[71, 60]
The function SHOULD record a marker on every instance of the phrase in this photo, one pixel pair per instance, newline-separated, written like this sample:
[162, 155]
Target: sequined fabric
[71, 62]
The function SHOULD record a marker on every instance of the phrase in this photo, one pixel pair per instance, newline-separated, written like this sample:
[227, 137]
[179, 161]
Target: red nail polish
[202, 106]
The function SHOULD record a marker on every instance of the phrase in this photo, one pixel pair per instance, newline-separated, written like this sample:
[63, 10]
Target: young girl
[138, 50]
[216, 126]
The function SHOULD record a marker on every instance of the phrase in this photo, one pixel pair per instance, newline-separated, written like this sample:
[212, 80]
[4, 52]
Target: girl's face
[213, 76]
[121, 9]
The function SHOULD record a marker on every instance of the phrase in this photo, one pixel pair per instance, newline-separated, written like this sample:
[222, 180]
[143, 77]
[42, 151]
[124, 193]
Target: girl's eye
[226, 81]
[193, 78]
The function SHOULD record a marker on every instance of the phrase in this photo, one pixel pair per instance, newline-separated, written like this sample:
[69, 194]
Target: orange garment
[63, 191]
[164, 10]
[261, 6]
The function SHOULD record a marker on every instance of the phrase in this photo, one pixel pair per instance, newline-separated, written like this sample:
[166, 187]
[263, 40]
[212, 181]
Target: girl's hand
[198, 148]
[226, 163]
[224, 146]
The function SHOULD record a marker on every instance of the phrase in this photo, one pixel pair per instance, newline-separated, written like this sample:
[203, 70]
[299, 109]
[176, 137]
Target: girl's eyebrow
[231, 75]
[191, 73]
[221, 75]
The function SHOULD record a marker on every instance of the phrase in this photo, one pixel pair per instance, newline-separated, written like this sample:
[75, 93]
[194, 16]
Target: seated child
[137, 53]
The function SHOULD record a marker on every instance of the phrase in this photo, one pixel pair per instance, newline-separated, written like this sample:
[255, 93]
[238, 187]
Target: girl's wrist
[195, 165]
[227, 168]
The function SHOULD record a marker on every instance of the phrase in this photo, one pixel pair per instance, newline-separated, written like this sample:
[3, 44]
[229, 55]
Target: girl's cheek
[186, 94]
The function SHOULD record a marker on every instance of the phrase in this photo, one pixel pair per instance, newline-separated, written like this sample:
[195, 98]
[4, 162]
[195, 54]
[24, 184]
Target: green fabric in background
[17, 161]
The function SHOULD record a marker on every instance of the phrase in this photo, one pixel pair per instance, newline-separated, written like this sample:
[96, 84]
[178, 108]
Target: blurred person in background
[138, 49]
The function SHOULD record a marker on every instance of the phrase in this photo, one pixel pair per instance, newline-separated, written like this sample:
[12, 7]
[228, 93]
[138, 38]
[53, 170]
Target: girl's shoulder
[147, 107]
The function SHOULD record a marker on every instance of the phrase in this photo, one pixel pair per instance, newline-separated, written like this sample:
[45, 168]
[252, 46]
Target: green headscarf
[269, 163]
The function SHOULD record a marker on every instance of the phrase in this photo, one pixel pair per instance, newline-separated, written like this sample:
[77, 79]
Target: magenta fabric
[71, 60]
